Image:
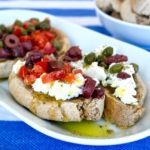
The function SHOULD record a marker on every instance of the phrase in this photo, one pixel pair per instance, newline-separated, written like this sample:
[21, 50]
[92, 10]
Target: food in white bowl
[128, 28]
[134, 11]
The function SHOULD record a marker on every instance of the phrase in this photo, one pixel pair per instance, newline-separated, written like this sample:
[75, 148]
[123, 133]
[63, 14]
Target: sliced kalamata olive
[73, 54]
[55, 65]
[89, 87]
[18, 51]
[5, 53]
[11, 40]
[33, 57]
[123, 75]
[27, 45]
[98, 93]
[115, 59]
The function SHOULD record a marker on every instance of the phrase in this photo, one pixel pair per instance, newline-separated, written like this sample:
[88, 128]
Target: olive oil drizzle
[87, 129]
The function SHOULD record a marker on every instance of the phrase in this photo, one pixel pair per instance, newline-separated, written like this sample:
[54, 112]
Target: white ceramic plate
[88, 40]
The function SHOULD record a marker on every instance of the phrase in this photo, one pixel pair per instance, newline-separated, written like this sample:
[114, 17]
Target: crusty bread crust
[6, 65]
[70, 110]
[121, 114]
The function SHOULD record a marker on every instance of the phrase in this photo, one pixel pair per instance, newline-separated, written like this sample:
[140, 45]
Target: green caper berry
[57, 44]
[100, 58]
[136, 67]
[1, 44]
[116, 68]
[44, 25]
[108, 51]
[2, 28]
[91, 57]
[24, 32]
[36, 19]
[103, 65]
[18, 23]
[31, 28]
[9, 30]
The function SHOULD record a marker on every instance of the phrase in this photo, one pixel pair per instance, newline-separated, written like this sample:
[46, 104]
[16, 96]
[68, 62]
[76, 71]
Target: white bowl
[129, 32]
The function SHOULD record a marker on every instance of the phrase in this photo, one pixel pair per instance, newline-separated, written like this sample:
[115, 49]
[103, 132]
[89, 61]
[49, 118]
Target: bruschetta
[21, 37]
[53, 90]
[125, 91]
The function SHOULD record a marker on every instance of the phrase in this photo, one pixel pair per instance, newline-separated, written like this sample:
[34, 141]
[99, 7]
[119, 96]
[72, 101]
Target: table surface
[14, 134]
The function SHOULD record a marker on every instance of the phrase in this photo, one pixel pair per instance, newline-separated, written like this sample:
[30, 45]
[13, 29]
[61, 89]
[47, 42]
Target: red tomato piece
[70, 78]
[38, 68]
[26, 25]
[25, 38]
[17, 30]
[48, 49]
[23, 72]
[29, 79]
[43, 65]
[48, 77]
[76, 71]
[46, 59]
[60, 74]
[38, 39]
[49, 35]
[67, 68]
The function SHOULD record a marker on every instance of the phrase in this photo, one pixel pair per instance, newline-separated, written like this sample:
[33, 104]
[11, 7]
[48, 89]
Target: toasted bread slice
[6, 65]
[47, 108]
[121, 114]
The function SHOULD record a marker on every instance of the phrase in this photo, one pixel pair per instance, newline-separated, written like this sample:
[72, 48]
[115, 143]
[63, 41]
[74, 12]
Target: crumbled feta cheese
[95, 72]
[125, 89]
[59, 89]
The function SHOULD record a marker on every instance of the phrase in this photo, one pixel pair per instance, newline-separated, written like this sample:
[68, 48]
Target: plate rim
[68, 138]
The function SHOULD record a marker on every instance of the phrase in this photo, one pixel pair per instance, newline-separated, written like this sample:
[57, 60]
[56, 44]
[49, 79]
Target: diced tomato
[67, 68]
[46, 59]
[48, 77]
[49, 35]
[23, 72]
[48, 49]
[25, 38]
[70, 78]
[56, 75]
[43, 65]
[76, 71]
[39, 39]
[59, 74]
[17, 30]
[29, 79]
[26, 25]
[38, 68]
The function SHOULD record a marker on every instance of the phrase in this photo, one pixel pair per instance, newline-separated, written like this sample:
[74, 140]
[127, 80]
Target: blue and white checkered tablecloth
[14, 134]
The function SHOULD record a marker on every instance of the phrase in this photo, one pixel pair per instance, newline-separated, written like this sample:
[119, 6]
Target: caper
[2, 28]
[24, 32]
[103, 65]
[108, 51]
[116, 68]
[57, 44]
[34, 19]
[136, 67]
[1, 44]
[44, 25]
[100, 58]
[18, 23]
[31, 28]
[91, 57]
[9, 30]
